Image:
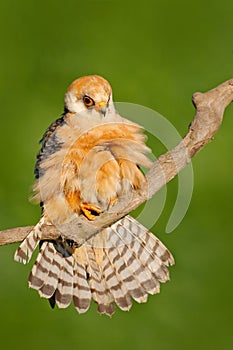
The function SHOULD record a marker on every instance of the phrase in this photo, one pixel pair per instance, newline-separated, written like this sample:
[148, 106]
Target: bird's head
[90, 96]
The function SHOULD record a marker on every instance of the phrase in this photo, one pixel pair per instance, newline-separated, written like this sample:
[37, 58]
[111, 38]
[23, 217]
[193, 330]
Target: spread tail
[123, 262]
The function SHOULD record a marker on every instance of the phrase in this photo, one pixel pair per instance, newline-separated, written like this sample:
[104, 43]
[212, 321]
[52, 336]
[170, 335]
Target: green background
[154, 54]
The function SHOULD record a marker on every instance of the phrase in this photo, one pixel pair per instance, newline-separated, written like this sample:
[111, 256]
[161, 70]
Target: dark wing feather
[49, 143]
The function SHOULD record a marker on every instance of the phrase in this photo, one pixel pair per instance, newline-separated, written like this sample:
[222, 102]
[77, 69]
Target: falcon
[89, 159]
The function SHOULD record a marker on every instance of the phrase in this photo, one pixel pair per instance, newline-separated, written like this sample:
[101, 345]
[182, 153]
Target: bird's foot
[90, 211]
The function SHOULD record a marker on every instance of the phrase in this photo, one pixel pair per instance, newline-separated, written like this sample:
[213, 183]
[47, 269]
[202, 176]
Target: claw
[113, 200]
[90, 211]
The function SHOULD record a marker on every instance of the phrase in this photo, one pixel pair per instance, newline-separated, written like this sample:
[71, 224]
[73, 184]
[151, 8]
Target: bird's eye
[88, 101]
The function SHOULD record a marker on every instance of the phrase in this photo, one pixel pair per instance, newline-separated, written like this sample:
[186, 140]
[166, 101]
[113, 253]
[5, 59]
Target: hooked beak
[101, 107]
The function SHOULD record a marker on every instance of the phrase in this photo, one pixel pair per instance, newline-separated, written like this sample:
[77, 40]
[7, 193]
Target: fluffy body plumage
[89, 158]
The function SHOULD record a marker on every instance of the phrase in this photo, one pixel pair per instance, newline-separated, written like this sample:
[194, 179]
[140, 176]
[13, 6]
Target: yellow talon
[113, 200]
[90, 211]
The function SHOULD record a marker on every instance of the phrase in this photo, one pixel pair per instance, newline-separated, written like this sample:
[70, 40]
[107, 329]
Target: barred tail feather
[99, 290]
[128, 264]
[50, 281]
[122, 258]
[64, 291]
[24, 252]
[41, 268]
[81, 289]
[150, 253]
[118, 290]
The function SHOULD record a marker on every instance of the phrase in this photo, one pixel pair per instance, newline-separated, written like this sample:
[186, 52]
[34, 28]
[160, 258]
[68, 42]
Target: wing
[49, 145]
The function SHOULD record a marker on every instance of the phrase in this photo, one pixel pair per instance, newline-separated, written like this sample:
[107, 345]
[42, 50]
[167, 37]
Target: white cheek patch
[70, 99]
[72, 104]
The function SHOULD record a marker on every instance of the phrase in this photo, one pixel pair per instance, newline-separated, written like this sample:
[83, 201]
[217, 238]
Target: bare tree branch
[210, 107]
